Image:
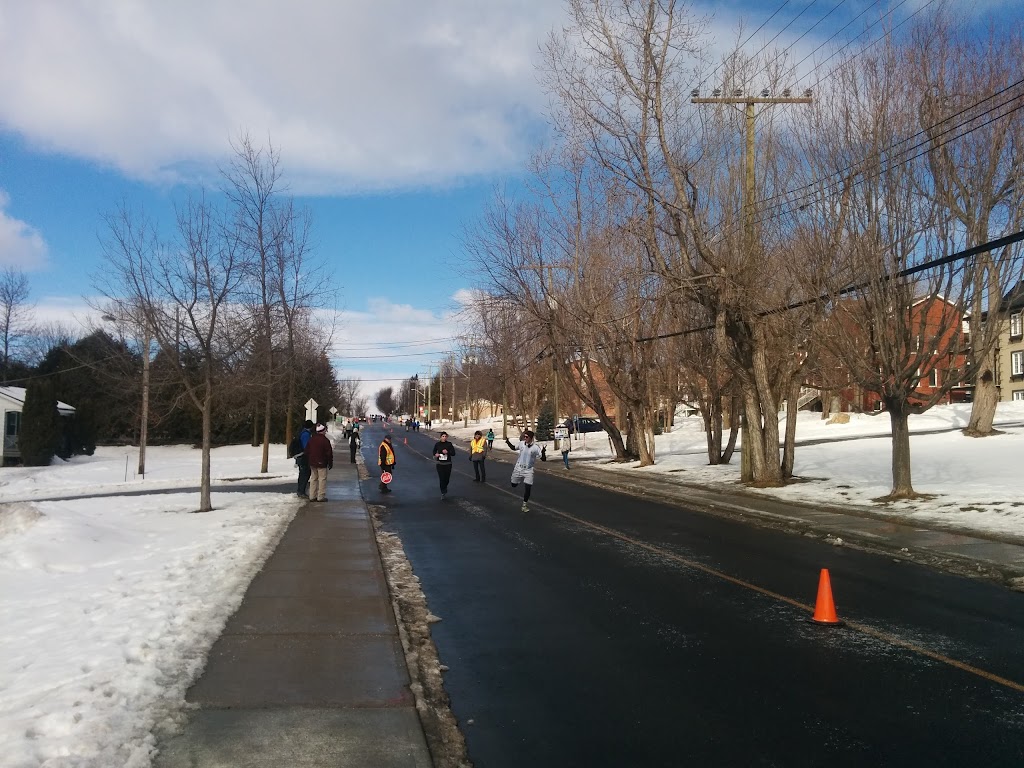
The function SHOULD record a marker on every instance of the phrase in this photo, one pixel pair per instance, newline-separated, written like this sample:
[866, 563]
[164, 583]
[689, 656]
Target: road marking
[855, 625]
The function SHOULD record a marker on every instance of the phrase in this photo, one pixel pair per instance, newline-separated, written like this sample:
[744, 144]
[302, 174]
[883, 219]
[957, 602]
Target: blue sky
[395, 120]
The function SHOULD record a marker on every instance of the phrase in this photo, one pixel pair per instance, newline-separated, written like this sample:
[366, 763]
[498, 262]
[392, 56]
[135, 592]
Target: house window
[933, 377]
[12, 423]
[1018, 394]
[1017, 363]
[1016, 325]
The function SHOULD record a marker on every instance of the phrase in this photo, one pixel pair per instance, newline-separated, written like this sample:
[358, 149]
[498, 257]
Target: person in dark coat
[320, 454]
[300, 458]
[353, 443]
[444, 454]
[386, 459]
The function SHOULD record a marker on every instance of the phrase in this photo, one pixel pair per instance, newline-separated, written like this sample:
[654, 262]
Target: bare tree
[620, 74]
[970, 111]
[250, 182]
[188, 292]
[385, 400]
[897, 319]
[349, 391]
[16, 313]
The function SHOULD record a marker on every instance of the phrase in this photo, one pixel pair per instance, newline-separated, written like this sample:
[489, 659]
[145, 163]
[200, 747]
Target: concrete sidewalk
[310, 671]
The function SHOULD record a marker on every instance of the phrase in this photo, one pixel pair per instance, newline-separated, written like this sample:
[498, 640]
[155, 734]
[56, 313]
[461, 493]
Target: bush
[40, 424]
[546, 422]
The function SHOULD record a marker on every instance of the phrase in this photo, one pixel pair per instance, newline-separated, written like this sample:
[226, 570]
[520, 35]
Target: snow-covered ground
[976, 484]
[108, 606]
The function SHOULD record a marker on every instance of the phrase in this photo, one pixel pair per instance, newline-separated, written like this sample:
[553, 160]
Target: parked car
[583, 424]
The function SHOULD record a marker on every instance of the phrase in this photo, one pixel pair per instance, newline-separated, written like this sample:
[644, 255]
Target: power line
[991, 245]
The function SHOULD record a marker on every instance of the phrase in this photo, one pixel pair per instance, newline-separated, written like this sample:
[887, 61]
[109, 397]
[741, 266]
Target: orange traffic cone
[825, 608]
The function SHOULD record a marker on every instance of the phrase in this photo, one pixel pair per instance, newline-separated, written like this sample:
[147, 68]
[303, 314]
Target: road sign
[334, 411]
[561, 432]
[311, 405]
[385, 477]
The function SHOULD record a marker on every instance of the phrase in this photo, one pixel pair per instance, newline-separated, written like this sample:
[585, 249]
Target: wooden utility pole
[430, 381]
[749, 103]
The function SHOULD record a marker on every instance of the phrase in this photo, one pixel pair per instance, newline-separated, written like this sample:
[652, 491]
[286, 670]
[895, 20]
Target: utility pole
[430, 381]
[749, 103]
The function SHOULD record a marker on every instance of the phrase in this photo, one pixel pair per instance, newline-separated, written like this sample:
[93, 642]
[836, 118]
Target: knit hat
[321, 427]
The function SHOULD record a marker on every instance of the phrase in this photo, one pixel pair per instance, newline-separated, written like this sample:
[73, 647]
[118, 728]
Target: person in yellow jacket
[478, 455]
[386, 459]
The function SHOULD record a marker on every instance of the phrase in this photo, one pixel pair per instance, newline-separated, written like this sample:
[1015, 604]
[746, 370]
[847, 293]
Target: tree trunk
[899, 418]
[766, 409]
[730, 447]
[707, 416]
[826, 403]
[205, 504]
[986, 397]
[789, 444]
[289, 425]
[267, 404]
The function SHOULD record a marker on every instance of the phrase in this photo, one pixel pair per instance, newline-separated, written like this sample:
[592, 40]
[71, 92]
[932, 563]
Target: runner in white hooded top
[529, 451]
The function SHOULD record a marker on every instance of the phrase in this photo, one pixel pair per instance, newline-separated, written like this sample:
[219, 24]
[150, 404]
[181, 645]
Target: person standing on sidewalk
[478, 455]
[490, 439]
[353, 444]
[444, 454]
[300, 458]
[565, 447]
[522, 472]
[320, 454]
[386, 459]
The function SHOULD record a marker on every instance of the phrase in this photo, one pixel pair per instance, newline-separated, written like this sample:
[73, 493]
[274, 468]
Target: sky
[109, 606]
[395, 120]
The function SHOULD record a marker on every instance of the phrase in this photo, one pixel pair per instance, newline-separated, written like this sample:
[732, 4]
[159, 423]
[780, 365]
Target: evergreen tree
[546, 422]
[40, 424]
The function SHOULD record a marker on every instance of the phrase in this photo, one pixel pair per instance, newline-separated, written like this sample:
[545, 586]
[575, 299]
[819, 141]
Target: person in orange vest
[386, 459]
[478, 455]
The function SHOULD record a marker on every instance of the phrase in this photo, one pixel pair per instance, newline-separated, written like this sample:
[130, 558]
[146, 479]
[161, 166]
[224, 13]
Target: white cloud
[387, 343]
[357, 95]
[21, 245]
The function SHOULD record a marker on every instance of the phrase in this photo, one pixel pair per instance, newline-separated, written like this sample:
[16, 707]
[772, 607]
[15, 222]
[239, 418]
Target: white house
[12, 400]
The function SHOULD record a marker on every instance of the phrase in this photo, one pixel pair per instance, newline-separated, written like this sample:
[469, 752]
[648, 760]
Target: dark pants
[444, 474]
[385, 468]
[352, 452]
[480, 470]
[304, 473]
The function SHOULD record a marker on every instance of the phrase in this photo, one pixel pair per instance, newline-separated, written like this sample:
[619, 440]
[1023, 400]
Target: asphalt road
[604, 630]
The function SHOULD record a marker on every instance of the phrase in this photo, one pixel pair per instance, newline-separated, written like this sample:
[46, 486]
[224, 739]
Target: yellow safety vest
[388, 452]
[478, 445]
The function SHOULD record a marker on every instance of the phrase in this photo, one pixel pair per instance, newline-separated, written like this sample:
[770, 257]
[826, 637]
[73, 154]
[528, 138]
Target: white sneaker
[525, 508]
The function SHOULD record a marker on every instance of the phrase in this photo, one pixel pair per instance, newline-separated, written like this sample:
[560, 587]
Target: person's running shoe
[444, 496]
[525, 508]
